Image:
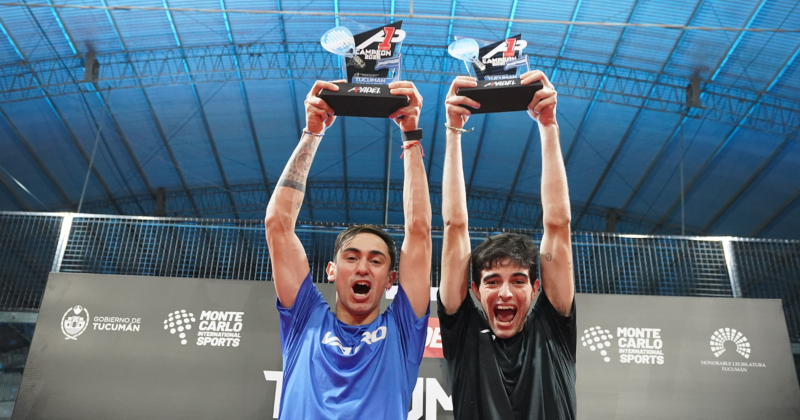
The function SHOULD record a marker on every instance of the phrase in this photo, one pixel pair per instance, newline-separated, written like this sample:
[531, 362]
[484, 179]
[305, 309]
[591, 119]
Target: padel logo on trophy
[370, 61]
[74, 322]
[500, 65]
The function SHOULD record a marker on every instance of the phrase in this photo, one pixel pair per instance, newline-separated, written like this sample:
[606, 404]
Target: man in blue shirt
[356, 363]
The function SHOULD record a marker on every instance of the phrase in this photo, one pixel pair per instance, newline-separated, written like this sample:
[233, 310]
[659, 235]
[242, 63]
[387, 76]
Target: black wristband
[412, 135]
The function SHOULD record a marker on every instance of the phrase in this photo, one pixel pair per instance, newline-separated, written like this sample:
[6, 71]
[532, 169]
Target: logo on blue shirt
[366, 337]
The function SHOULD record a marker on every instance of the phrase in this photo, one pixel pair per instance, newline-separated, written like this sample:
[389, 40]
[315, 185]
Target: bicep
[555, 261]
[289, 266]
[415, 272]
[455, 269]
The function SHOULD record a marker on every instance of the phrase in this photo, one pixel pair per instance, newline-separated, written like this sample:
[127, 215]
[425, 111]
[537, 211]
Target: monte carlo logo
[640, 346]
[179, 322]
[597, 338]
[725, 339]
[74, 322]
[214, 329]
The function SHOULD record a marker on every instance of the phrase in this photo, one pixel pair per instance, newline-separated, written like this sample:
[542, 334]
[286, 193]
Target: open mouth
[505, 314]
[361, 288]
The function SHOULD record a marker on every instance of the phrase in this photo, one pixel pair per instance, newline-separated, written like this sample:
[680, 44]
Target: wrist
[459, 123]
[412, 135]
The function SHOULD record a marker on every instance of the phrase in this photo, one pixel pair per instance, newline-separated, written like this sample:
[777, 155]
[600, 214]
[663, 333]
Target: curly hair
[518, 248]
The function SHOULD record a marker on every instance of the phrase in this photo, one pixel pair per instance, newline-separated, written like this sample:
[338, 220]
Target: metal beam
[718, 151]
[13, 192]
[298, 123]
[38, 160]
[442, 87]
[520, 165]
[757, 231]
[579, 131]
[245, 99]
[63, 121]
[269, 61]
[159, 128]
[203, 116]
[757, 173]
[117, 127]
[658, 155]
[511, 18]
[564, 43]
[524, 209]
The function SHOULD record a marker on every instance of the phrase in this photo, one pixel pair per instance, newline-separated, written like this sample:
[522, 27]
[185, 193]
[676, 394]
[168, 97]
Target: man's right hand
[319, 116]
[457, 115]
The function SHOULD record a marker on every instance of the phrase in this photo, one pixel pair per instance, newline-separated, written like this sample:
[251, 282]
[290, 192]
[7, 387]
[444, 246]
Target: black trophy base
[363, 100]
[500, 95]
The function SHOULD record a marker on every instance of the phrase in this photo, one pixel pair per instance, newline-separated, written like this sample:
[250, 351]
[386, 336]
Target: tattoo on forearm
[296, 172]
[548, 257]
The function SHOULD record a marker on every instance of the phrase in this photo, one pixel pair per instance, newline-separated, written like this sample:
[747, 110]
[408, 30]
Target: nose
[505, 292]
[362, 266]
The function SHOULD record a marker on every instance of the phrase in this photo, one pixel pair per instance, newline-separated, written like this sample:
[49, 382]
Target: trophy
[370, 60]
[498, 68]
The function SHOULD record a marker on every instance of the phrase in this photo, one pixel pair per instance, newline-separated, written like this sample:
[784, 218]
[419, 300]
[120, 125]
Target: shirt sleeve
[294, 320]
[454, 327]
[412, 330]
[563, 328]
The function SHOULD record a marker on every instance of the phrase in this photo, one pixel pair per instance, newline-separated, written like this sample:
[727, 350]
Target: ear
[331, 270]
[391, 279]
[535, 289]
[476, 290]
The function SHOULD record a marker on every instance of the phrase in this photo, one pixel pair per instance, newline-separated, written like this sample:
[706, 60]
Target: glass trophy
[370, 61]
[498, 67]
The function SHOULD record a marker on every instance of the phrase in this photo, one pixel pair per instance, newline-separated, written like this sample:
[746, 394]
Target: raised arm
[289, 260]
[555, 253]
[415, 253]
[456, 248]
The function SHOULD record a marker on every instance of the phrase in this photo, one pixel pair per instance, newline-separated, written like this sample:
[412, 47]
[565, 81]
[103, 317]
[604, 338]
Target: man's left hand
[407, 118]
[543, 106]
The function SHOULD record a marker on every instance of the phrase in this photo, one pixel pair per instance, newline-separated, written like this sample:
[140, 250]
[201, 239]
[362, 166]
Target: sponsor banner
[128, 347]
[667, 357]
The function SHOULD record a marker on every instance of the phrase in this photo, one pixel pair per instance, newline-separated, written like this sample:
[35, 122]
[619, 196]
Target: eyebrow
[494, 275]
[358, 251]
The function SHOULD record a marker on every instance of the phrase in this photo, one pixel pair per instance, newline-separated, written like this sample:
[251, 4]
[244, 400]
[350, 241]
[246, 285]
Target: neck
[355, 319]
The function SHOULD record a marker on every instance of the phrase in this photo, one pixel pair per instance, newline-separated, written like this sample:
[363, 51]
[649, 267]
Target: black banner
[129, 347]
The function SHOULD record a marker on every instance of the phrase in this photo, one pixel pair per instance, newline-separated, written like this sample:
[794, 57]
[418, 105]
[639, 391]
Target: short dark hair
[348, 234]
[518, 248]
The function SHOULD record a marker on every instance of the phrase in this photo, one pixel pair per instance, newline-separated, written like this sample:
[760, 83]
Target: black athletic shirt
[525, 377]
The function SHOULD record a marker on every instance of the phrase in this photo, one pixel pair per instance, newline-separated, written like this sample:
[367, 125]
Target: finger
[463, 100]
[458, 110]
[321, 84]
[330, 121]
[459, 82]
[319, 112]
[320, 103]
[539, 96]
[401, 84]
[549, 102]
[405, 111]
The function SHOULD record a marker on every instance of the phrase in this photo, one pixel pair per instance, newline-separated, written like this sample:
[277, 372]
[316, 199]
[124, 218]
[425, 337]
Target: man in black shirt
[504, 362]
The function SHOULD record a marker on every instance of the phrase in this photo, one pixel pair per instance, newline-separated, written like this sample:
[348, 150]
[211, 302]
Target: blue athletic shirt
[332, 370]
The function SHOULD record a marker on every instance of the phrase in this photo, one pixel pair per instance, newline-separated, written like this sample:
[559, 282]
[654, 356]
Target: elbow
[456, 223]
[419, 227]
[557, 222]
[277, 223]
